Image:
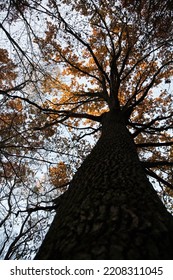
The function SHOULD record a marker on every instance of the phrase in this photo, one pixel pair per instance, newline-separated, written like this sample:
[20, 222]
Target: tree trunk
[111, 210]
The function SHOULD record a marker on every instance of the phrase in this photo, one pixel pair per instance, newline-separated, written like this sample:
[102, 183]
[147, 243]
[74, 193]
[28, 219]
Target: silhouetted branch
[64, 113]
[157, 164]
[151, 173]
[152, 144]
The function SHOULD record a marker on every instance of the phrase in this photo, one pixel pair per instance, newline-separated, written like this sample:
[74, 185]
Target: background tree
[96, 66]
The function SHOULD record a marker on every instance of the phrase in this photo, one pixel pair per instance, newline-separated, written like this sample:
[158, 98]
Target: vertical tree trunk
[111, 210]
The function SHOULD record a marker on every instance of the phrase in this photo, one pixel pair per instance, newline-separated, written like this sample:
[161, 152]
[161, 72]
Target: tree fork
[110, 210]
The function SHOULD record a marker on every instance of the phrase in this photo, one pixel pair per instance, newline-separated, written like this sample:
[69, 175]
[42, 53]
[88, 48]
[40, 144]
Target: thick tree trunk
[111, 210]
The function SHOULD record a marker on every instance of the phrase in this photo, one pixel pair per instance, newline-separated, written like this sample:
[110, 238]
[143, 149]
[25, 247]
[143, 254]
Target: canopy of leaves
[62, 65]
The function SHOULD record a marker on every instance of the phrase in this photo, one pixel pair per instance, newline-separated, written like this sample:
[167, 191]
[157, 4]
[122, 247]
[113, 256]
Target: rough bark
[111, 210]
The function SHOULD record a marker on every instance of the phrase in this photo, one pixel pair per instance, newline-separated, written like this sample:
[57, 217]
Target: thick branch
[114, 83]
[158, 178]
[143, 127]
[157, 164]
[100, 94]
[152, 144]
[64, 113]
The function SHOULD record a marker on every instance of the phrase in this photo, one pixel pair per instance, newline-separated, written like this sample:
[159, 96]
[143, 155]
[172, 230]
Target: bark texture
[111, 210]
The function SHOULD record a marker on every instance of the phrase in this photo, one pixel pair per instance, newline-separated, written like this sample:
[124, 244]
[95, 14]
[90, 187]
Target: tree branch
[78, 37]
[14, 43]
[152, 144]
[149, 86]
[156, 164]
[158, 178]
[141, 59]
[99, 94]
[143, 127]
[37, 208]
[65, 113]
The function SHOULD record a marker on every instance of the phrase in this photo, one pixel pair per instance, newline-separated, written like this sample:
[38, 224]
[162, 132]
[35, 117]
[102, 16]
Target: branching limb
[64, 113]
[37, 208]
[16, 45]
[143, 127]
[85, 44]
[150, 85]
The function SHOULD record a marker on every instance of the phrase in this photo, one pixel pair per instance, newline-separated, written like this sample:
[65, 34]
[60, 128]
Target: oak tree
[103, 70]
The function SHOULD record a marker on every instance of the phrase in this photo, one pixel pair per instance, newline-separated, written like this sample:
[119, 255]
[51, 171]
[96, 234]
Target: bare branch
[158, 178]
[152, 144]
[14, 43]
[156, 164]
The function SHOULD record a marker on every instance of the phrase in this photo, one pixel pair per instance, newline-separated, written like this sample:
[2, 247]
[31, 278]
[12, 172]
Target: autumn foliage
[73, 61]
